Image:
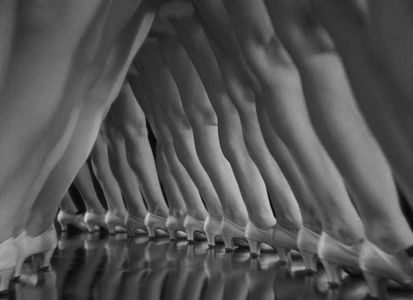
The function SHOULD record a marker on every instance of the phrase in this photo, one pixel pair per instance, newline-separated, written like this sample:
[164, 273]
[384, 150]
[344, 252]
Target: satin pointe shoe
[8, 261]
[284, 242]
[27, 246]
[134, 225]
[212, 228]
[114, 223]
[193, 225]
[335, 256]
[154, 222]
[64, 219]
[175, 227]
[255, 236]
[307, 242]
[94, 222]
[379, 267]
[232, 235]
[277, 237]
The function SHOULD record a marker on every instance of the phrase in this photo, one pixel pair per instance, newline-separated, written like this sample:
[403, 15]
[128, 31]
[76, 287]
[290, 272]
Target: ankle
[262, 222]
[313, 225]
[117, 212]
[141, 214]
[237, 218]
[197, 214]
[390, 240]
[287, 225]
[177, 213]
[95, 210]
[216, 214]
[344, 235]
[159, 211]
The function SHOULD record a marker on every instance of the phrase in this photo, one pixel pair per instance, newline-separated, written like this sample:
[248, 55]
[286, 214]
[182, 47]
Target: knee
[136, 130]
[202, 117]
[224, 107]
[260, 52]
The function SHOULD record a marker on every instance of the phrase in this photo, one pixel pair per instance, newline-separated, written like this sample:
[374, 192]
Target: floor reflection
[95, 267]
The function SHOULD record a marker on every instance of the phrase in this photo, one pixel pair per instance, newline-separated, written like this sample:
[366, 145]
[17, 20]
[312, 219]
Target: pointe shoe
[8, 261]
[94, 222]
[66, 219]
[114, 223]
[193, 225]
[134, 225]
[232, 234]
[284, 242]
[276, 237]
[212, 228]
[154, 222]
[307, 242]
[175, 225]
[334, 255]
[379, 267]
[27, 246]
[255, 236]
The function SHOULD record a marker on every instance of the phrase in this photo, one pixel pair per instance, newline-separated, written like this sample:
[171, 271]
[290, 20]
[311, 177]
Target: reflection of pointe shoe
[8, 261]
[94, 222]
[307, 243]
[193, 225]
[155, 254]
[232, 234]
[154, 222]
[27, 246]
[66, 219]
[175, 226]
[379, 267]
[212, 228]
[335, 255]
[114, 223]
[134, 225]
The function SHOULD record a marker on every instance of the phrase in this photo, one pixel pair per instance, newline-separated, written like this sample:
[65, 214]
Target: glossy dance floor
[93, 267]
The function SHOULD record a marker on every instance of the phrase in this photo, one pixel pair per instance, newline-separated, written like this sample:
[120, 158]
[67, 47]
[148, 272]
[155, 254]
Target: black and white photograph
[206, 149]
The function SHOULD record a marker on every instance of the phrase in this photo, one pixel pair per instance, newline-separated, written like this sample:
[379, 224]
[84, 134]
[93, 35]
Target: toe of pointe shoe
[382, 270]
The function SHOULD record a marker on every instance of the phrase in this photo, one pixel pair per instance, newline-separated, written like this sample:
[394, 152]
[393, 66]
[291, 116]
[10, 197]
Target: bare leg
[230, 134]
[232, 138]
[204, 123]
[177, 140]
[177, 207]
[68, 206]
[237, 78]
[129, 120]
[84, 185]
[166, 148]
[125, 177]
[341, 126]
[29, 169]
[107, 85]
[110, 187]
[281, 91]
[302, 190]
[344, 21]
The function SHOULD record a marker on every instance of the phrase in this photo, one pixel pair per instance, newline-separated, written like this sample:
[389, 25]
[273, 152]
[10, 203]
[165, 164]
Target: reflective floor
[93, 267]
